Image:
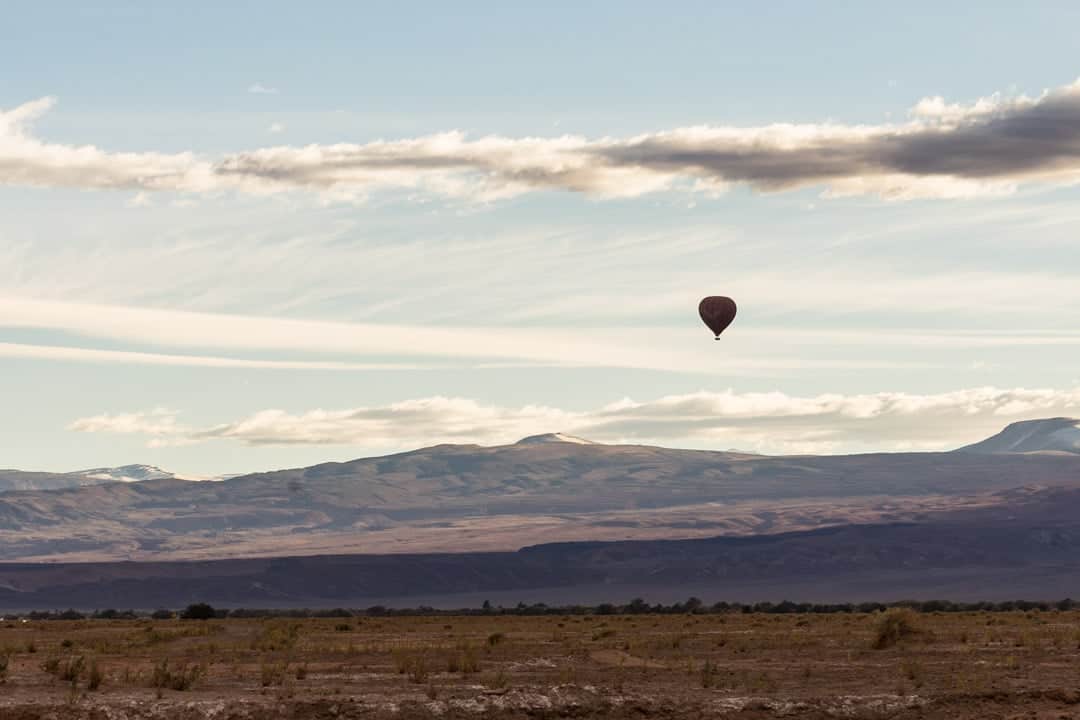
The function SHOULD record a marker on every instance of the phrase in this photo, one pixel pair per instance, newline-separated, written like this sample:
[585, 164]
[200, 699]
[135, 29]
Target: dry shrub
[708, 674]
[51, 665]
[273, 673]
[894, 626]
[468, 661]
[501, 681]
[277, 635]
[914, 671]
[414, 664]
[418, 670]
[94, 676]
[181, 678]
[67, 670]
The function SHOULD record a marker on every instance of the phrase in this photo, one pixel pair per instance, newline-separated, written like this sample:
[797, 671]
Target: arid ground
[897, 664]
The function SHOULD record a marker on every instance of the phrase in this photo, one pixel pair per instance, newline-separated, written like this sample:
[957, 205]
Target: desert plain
[892, 664]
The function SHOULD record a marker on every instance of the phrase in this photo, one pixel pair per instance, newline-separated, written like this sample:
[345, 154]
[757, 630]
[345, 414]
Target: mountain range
[554, 511]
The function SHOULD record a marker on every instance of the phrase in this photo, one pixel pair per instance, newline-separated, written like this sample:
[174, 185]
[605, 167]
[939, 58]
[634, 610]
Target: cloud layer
[943, 150]
[765, 422]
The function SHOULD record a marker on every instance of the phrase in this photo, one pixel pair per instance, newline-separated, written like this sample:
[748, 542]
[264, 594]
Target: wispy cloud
[765, 422]
[943, 150]
[288, 263]
[259, 89]
[275, 128]
[124, 357]
[568, 347]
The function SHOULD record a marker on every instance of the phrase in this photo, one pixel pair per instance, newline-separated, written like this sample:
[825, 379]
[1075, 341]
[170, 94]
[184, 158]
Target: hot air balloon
[717, 312]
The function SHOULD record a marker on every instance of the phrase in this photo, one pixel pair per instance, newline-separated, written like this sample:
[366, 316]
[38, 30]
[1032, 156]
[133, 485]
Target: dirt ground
[955, 666]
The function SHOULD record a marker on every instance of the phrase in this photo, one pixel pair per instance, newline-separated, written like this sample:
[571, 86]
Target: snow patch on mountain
[553, 438]
[125, 473]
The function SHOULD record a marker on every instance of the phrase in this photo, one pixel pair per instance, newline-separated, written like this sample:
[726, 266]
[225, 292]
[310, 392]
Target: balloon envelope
[717, 312]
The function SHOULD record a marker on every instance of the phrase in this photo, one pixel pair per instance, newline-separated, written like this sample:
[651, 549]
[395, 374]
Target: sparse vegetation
[682, 658]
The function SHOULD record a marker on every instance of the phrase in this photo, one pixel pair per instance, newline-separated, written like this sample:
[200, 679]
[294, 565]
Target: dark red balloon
[717, 312]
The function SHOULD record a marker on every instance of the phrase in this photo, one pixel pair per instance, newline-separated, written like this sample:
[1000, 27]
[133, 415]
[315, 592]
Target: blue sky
[271, 234]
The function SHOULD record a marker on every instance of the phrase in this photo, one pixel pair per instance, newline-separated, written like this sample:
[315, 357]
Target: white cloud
[25, 160]
[157, 422]
[275, 128]
[260, 89]
[944, 151]
[765, 422]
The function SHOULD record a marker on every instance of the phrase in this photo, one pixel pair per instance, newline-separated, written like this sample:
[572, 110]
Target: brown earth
[958, 666]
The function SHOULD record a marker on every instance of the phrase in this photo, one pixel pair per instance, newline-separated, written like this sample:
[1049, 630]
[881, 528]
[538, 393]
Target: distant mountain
[1033, 436]
[126, 473]
[22, 480]
[452, 498]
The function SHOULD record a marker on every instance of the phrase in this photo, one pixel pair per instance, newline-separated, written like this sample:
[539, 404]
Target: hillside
[1027, 546]
[471, 498]
[1032, 436]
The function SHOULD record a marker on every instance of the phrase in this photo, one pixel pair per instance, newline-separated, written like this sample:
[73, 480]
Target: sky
[276, 234]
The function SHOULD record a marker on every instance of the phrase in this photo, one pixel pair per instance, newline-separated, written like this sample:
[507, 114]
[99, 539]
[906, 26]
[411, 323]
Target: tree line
[637, 606]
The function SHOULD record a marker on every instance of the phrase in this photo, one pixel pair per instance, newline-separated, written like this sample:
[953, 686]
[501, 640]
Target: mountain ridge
[30, 480]
[1059, 434]
[476, 498]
